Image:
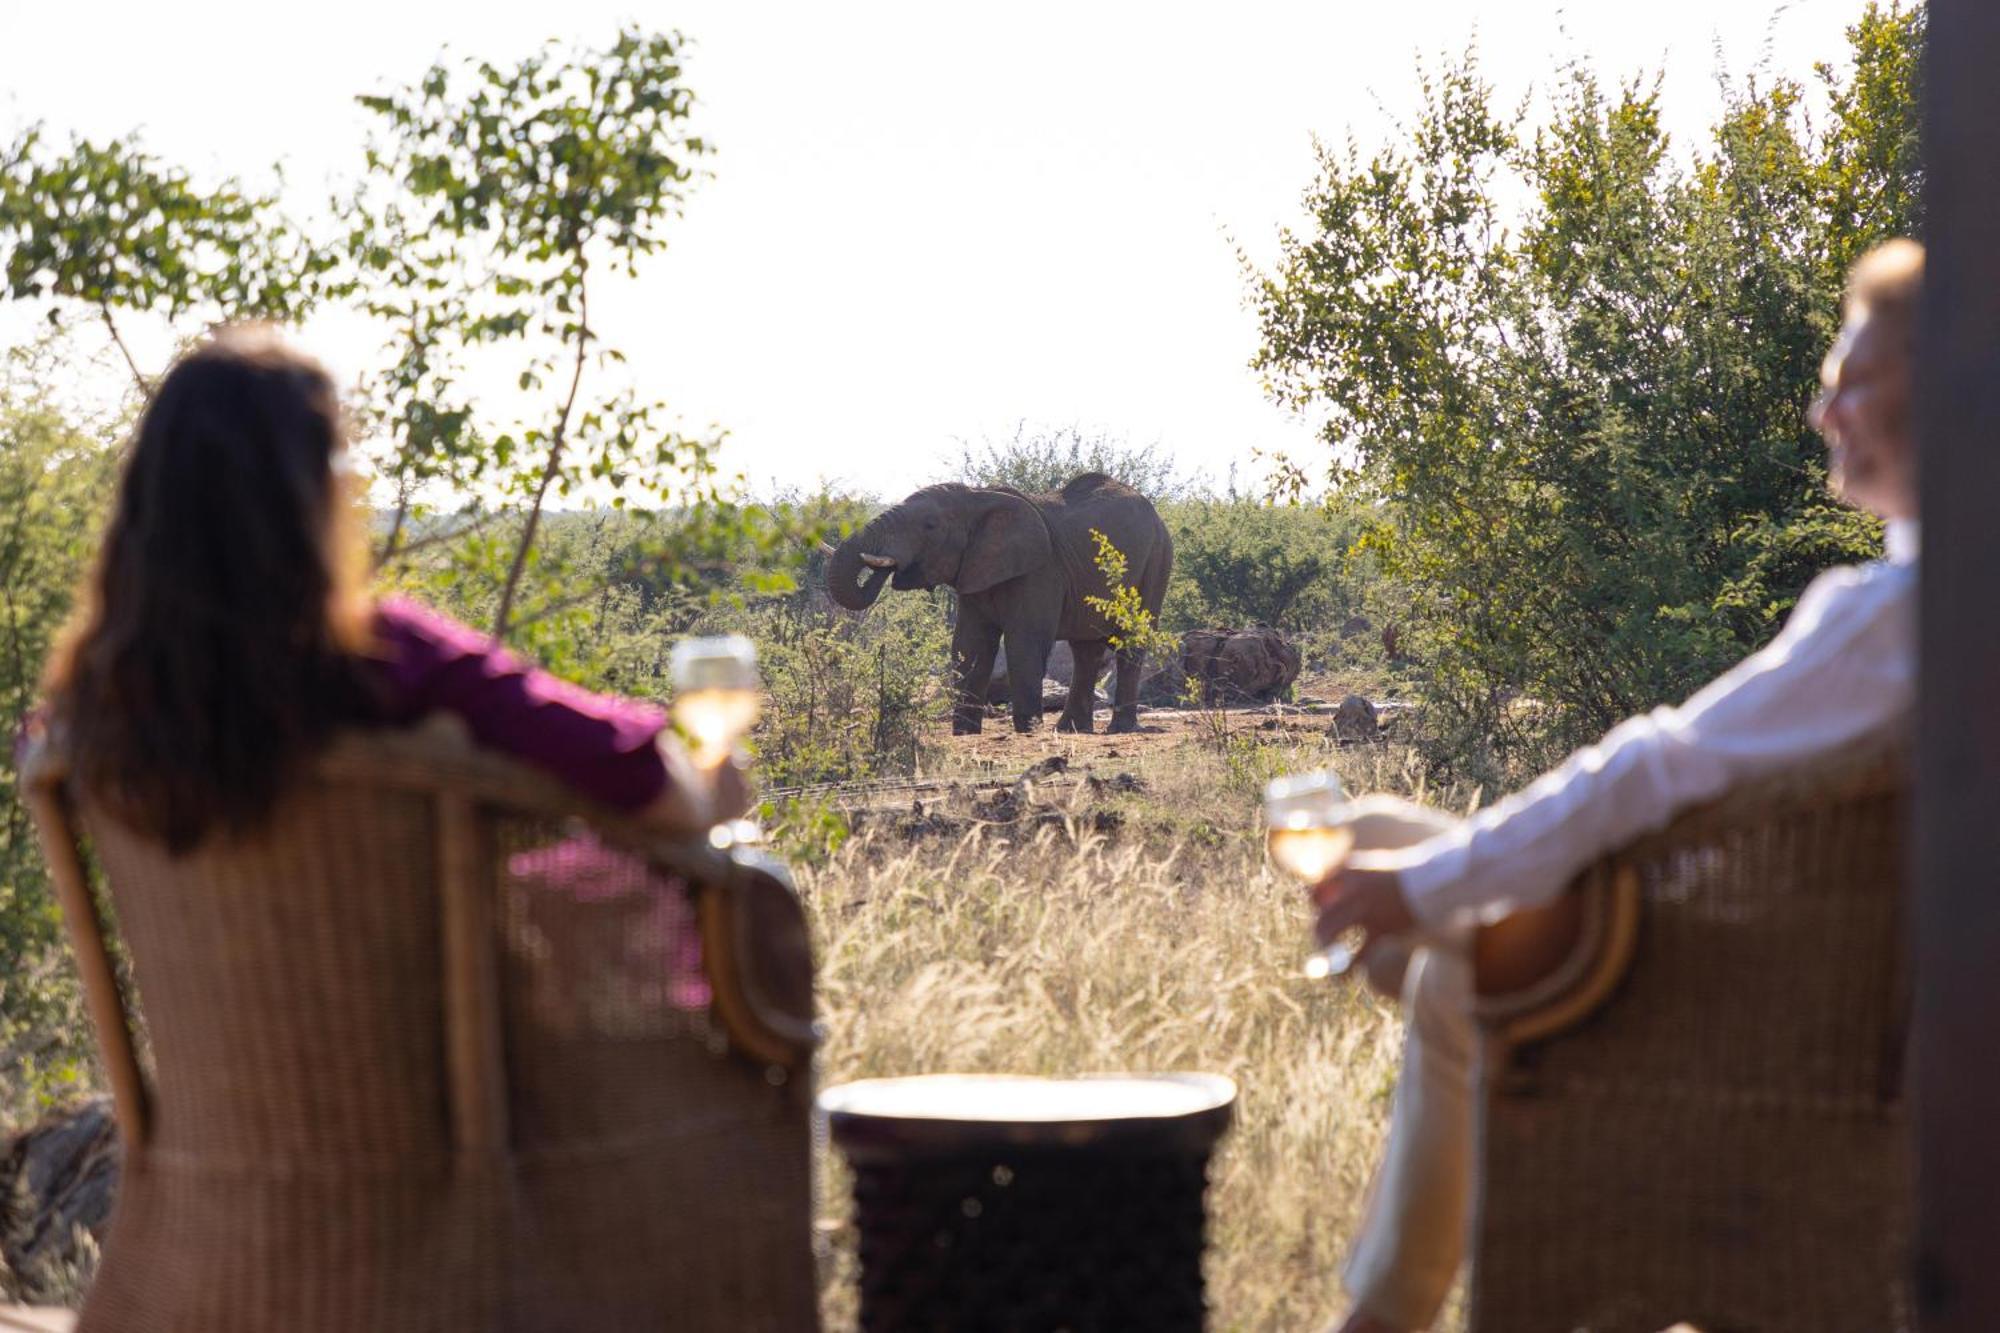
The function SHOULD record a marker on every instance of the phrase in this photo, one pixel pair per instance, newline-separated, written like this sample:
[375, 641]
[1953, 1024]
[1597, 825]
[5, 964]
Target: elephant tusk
[878, 562]
[827, 548]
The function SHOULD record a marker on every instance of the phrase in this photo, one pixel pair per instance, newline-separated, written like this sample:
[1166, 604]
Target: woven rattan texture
[306, 1167]
[1725, 1142]
[1080, 1240]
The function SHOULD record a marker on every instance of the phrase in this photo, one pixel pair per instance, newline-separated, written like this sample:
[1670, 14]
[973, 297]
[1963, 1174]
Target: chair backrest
[433, 961]
[1757, 940]
[1703, 1117]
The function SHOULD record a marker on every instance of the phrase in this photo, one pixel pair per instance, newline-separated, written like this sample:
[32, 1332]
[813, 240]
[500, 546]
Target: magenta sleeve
[606, 747]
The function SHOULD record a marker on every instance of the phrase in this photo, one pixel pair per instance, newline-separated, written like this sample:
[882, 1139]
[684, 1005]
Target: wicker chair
[1700, 1116]
[438, 1050]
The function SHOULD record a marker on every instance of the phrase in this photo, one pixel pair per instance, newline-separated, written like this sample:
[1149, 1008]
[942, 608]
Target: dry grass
[1167, 946]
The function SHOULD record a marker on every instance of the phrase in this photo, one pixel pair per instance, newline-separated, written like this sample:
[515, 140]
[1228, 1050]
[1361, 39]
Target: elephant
[1022, 566]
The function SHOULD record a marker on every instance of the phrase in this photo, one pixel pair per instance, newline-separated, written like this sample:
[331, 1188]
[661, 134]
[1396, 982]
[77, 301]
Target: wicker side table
[1030, 1204]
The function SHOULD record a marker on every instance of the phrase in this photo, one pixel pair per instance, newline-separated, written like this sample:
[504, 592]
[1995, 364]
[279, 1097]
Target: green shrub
[1044, 460]
[1572, 362]
[847, 696]
[1239, 561]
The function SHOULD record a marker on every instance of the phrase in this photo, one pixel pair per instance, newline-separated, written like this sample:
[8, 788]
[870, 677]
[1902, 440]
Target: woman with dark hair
[227, 632]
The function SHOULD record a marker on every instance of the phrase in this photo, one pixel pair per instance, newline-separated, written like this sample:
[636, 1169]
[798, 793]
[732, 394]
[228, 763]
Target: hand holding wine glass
[1307, 834]
[1367, 901]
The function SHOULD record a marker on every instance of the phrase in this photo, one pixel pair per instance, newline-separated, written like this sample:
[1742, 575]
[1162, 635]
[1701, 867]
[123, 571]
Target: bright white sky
[928, 221]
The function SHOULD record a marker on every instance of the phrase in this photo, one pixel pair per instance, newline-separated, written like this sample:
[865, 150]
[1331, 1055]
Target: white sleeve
[1843, 667]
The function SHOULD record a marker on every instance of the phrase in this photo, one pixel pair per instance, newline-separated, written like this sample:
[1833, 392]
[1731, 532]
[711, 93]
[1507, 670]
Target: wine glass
[1307, 834]
[715, 694]
[715, 704]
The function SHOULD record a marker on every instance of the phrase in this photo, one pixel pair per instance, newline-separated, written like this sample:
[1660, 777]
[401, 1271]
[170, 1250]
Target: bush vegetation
[1585, 419]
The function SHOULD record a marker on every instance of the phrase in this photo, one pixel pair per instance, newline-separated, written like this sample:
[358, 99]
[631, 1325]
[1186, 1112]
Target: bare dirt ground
[999, 747]
[1000, 750]
[1001, 777]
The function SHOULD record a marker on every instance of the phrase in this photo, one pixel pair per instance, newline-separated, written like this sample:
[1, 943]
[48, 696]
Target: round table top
[942, 1111]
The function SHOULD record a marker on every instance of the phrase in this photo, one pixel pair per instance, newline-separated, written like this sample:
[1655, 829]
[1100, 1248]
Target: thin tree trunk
[111, 326]
[391, 544]
[557, 438]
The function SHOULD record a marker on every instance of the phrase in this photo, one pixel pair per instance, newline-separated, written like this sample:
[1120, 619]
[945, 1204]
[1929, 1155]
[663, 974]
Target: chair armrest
[1542, 972]
[758, 954]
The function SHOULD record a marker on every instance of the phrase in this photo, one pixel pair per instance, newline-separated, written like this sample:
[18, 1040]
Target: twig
[561, 604]
[424, 543]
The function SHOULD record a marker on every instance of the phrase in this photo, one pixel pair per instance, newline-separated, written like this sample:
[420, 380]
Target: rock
[1002, 806]
[1355, 720]
[57, 1183]
[1255, 664]
[1354, 626]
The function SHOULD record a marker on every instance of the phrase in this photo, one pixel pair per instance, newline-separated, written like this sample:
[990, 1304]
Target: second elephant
[1023, 566]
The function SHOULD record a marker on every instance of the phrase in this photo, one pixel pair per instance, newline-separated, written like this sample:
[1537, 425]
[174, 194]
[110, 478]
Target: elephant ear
[1011, 540]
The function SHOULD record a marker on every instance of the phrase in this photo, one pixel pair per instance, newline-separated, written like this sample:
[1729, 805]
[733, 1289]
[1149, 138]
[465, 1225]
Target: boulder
[1355, 719]
[57, 1182]
[1355, 625]
[1252, 665]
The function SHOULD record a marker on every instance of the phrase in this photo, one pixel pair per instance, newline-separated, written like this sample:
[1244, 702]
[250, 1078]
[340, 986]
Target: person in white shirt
[1842, 669]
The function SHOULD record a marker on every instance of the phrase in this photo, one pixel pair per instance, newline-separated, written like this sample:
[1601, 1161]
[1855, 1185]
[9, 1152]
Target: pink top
[606, 747]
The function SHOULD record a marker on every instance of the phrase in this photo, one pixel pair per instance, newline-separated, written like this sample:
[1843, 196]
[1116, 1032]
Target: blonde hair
[1885, 284]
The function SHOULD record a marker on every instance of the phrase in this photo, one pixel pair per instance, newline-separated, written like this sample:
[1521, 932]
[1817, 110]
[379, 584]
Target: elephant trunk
[843, 573]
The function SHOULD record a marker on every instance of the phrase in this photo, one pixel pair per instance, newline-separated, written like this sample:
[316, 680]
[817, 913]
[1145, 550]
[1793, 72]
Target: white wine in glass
[715, 694]
[1308, 836]
[1308, 853]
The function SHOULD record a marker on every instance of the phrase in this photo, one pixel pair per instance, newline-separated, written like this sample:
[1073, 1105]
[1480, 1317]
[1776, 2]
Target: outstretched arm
[613, 750]
[1842, 669]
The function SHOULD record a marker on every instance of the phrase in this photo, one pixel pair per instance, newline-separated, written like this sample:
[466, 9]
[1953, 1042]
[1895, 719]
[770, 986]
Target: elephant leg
[1088, 660]
[1125, 699]
[974, 644]
[1031, 662]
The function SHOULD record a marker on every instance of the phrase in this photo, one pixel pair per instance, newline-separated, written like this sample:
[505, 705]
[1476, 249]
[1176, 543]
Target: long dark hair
[216, 643]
